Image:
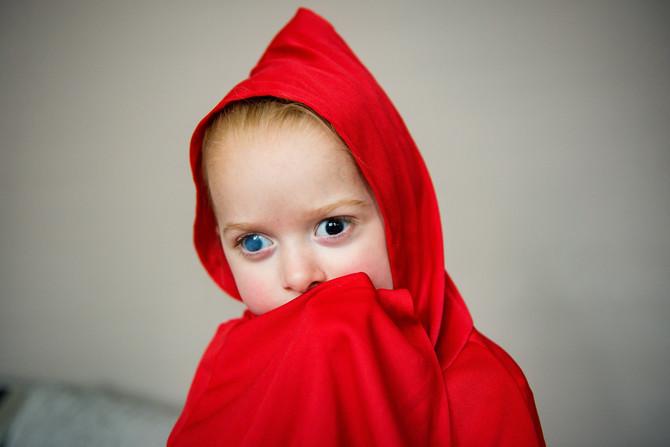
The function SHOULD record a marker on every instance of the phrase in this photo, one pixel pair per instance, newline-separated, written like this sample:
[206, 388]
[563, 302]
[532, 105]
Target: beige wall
[544, 124]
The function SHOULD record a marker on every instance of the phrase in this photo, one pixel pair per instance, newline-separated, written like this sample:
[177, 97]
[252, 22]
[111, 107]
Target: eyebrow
[318, 212]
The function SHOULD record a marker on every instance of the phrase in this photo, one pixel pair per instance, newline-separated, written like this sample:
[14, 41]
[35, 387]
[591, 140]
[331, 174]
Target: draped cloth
[345, 364]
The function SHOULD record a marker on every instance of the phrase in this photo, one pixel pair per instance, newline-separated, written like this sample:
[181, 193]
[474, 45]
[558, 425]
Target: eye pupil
[334, 227]
[253, 243]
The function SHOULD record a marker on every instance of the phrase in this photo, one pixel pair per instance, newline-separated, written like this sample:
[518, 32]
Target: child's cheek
[370, 259]
[256, 289]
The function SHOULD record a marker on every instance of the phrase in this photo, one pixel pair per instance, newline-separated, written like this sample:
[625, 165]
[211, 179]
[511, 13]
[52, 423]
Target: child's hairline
[305, 111]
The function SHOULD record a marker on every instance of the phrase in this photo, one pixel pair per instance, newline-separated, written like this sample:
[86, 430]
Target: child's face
[293, 211]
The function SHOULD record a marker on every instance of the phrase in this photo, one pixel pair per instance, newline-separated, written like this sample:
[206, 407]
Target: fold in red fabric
[343, 364]
[346, 364]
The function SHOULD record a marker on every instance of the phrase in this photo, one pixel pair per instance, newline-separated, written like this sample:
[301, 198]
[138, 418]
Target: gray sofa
[34, 414]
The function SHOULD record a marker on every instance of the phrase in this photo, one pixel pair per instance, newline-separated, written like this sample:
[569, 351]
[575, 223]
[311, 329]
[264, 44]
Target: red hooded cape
[344, 363]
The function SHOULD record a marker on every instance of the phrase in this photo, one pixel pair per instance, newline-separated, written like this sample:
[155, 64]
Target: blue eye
[254, 242]
[332, 226]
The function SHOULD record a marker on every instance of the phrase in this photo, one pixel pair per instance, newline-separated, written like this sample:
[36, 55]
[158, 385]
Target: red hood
[345, 363]
[308, 62]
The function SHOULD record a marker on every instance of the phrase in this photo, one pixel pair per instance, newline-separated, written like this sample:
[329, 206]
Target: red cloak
[344, 363]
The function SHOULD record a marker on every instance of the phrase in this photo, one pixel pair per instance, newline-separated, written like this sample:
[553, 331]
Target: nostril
[314, 284]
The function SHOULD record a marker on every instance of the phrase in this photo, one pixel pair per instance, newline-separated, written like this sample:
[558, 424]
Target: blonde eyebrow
[329, 208]
[318, 212]
[242, 226]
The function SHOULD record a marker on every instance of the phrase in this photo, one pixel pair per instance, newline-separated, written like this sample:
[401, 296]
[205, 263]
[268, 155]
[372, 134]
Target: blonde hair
[260, 114]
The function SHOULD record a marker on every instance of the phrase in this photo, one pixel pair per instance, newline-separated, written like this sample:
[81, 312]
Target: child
[314, 207]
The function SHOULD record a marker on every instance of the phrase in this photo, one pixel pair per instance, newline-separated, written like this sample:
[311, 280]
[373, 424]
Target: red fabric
[345, 363]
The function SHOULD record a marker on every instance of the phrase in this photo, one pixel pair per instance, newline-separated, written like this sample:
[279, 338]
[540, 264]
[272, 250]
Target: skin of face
[293, 211]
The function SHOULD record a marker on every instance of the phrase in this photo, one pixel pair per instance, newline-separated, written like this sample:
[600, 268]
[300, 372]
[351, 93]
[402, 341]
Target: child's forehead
[283, 147]
[290, 192]
[267, 154]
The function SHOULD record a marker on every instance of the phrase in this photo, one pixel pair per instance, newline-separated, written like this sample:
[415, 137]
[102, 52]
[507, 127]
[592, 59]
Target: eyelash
[348, 220]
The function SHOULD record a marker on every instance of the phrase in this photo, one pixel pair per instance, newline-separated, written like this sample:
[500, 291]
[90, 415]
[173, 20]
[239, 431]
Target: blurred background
[545, 126]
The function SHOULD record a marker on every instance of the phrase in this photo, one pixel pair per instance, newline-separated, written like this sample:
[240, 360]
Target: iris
[332, 226]
[254, 242]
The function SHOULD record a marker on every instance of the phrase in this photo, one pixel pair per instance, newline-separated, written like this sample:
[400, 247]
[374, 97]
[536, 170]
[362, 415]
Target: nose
[300, 268]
